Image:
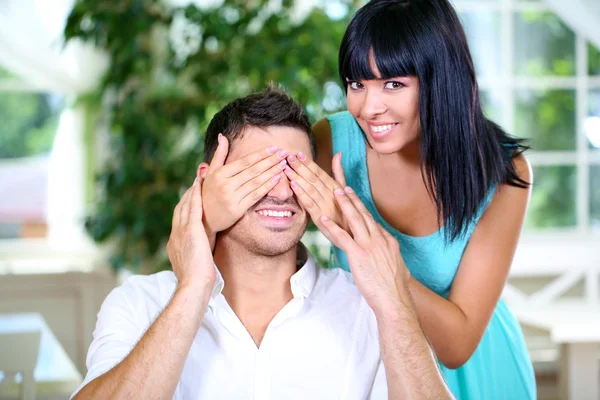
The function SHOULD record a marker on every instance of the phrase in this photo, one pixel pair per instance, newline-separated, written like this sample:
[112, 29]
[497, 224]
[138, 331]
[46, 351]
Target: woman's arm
[378, 271]
[455, 326]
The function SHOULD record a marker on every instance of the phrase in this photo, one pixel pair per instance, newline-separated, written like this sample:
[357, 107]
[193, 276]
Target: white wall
[68, 302]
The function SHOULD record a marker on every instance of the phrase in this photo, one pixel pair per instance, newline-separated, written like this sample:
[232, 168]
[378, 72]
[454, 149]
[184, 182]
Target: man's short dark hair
[270, 107]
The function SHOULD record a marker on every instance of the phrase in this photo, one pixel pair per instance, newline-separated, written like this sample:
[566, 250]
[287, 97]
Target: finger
[355, 221]
[175, 221]
[220, 154]
[327, 180]
[306, 174]
[254, 172]
[195, 203]
[248, 160]
[184, 209]
[336, 235]
[370, 222]
[253, 197]
[259, 180]
[306, 202]
[338, 171]
[310, 190]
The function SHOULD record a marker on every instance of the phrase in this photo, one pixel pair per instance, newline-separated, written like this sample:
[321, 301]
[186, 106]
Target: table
[574, 324]
[55, 374]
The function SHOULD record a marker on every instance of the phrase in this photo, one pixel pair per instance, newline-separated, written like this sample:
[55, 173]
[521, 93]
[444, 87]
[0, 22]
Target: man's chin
[274, 249]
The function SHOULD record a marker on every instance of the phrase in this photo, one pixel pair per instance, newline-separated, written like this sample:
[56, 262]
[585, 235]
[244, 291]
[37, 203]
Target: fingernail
[276, 179]
[282, 164]
[195, 181]
[282, 154]
[339, 191]
[348, 189]
[340, 153]
[272, 149]
[294, 185]
[219, 137]
[287, 169]
[301, 156]
[292, 158]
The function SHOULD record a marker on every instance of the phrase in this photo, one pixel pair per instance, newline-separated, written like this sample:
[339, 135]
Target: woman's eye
[355, 85]
[393, 85]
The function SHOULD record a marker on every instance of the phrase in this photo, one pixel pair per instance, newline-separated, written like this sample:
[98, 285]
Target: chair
[19, 354]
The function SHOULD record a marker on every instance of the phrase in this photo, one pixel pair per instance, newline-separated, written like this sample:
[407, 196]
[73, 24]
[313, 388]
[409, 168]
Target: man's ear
[202, 170]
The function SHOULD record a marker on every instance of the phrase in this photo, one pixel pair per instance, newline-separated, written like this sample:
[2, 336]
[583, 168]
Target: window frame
[37, 255]
[582, 158]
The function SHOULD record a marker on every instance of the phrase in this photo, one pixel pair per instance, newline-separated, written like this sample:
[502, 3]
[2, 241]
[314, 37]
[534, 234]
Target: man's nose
[282, 190]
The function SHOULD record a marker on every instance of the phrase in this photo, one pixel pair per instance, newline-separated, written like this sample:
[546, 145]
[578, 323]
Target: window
[541, 81]
[29, 122]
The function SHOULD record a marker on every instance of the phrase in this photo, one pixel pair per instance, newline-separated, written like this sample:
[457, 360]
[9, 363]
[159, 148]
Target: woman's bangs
[390, 48]
[393, 52]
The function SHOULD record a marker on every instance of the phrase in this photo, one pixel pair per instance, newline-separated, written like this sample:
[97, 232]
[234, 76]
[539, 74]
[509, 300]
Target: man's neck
[256, 287]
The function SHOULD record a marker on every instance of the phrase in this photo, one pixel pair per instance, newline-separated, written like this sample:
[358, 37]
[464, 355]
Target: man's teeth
[271, 213]
[381, 128]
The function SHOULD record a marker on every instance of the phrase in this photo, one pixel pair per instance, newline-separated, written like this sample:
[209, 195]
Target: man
[256, 319]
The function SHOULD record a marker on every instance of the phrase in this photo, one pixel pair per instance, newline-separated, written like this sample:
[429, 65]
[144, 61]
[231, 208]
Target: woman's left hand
[314, 188]
[373, 253]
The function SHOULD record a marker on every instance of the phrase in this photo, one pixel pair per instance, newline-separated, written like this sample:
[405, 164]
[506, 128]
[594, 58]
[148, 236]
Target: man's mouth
[275, 213]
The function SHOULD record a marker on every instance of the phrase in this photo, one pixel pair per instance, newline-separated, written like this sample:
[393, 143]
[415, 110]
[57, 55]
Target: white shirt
[323, 344]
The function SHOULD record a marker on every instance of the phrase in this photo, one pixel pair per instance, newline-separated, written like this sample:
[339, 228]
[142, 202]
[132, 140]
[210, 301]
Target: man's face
[275, 224]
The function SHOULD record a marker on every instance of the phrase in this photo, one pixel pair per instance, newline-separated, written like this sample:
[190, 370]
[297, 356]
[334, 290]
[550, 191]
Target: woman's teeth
[382, 128]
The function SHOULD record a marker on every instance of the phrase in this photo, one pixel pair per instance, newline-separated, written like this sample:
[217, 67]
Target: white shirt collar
[302, 282]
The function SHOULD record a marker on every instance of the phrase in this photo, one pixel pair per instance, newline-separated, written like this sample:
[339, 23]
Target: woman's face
[387, 110]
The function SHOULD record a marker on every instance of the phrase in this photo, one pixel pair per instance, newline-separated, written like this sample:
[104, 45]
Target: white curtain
[32, 48]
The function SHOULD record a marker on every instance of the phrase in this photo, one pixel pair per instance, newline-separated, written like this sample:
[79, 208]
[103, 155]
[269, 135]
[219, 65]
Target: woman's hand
[230, 190]
[314, 187]
[373, 253]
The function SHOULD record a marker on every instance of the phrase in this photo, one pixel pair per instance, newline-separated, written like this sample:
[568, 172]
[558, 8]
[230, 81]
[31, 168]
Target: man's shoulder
[336, 282]
[337, 295]
[150, 292]
[337, 275]
[153, 281]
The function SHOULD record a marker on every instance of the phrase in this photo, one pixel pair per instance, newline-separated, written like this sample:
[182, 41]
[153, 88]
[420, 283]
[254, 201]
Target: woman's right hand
[314, 188]
[230, 190]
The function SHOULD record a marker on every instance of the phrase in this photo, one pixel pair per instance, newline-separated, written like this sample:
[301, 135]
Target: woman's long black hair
[463, 154]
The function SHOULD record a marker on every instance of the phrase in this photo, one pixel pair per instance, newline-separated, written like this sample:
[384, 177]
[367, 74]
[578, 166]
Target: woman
[448, 184]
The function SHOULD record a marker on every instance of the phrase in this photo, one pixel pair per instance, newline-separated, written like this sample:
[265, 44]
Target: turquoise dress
[500, 367]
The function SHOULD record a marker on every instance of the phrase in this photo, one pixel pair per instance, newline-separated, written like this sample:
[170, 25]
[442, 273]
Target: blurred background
[102, 109]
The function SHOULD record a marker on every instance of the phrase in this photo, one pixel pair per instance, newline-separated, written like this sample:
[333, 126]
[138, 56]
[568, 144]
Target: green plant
[171, 70]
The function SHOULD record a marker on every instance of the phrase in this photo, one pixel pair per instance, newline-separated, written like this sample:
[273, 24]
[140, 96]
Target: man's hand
[152, 369]
[230, 190]
[188, 247]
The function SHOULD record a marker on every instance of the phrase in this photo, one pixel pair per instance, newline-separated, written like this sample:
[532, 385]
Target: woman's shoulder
[322, 131]
[325, 130]
[523, 168]
[342, 116]
[506, 199]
